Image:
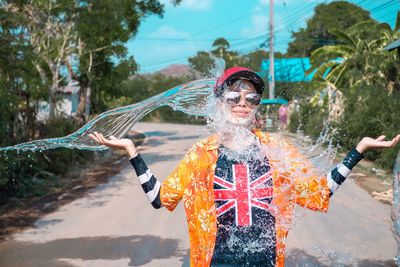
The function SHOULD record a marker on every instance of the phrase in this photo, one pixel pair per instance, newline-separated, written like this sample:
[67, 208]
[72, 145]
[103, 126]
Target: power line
[299, 14]
[385, 5]
[220, 25]
[255, 35]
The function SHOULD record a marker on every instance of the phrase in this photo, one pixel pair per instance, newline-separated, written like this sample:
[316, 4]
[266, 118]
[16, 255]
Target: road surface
[114, 225]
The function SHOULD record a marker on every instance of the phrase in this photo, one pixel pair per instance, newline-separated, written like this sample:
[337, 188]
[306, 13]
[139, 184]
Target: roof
[288, 69]
[394, 45]
[276, 101]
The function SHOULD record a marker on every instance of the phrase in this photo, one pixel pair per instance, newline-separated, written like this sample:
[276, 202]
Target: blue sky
[195, 24]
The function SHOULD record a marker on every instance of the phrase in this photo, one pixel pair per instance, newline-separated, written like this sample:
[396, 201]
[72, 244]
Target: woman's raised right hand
[115, 143]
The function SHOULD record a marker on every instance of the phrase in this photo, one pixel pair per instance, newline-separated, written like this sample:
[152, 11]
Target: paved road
[114, 225]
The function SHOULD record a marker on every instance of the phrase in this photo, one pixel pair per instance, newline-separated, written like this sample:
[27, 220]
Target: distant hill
[178, 70]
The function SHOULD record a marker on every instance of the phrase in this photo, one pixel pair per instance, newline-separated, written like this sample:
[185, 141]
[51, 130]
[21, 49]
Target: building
[66, 107]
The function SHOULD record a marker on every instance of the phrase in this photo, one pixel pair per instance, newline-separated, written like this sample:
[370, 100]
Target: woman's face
[241, 102]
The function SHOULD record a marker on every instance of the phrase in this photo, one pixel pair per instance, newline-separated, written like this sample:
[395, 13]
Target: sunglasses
[233, 98]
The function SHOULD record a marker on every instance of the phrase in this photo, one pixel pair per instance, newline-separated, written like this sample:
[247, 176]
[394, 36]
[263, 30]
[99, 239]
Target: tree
[104, 27]
[39, 41]
[338, 14]
[369, 79]
[49, 29]
[221, 49]
[221, 46]
[204, 61]
[254, 59]
[86, 37]
[359, 58]
[20, 85]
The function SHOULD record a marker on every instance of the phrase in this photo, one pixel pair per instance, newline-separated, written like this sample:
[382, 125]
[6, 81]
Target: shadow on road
[156, 138]
[160, 133]
[139, 249]
[154, 157]
[300, 258]
[174, 138]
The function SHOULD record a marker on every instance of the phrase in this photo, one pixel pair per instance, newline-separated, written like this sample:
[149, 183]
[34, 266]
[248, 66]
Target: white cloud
[264, 2]
[167, 50]
[259, 24]
[165, 54]
[167, 31]
[191, 4]
[165, 2]
[197, 4]
[260, 21]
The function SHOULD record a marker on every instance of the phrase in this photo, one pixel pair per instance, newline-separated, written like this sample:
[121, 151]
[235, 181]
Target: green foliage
[37, 40]
[105, 27]
[361, 56]
[253, 59]
[311, 119]
[291, 91]
[30, 174]
[141, 87]
[107, 82]
[203, 61]
[338, 14]
[294, 122]
[370, 111]
[369, 79]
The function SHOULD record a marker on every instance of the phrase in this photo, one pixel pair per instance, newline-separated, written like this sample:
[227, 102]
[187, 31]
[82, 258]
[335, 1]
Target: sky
[193, 25]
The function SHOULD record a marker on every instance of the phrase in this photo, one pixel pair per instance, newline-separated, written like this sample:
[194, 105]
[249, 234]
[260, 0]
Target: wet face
[240, 101]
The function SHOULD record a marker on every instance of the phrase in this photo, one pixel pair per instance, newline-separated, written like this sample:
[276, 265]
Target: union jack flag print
[247, 189]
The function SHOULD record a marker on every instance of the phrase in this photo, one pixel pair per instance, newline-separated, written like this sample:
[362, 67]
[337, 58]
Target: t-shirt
[246, 233]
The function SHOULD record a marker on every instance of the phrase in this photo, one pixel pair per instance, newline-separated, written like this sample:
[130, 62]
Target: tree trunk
[87, 102]
[53, 104]
[82, 101]
[83, 110]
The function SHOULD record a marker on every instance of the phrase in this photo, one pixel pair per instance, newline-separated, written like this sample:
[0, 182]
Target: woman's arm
[151, 186]
[313, 192]
[337, 176]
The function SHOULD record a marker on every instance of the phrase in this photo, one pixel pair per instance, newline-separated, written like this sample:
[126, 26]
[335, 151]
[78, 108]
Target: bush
[371, 111]
[29, 174]
[140, 87]
[310, 119]
[294, 122]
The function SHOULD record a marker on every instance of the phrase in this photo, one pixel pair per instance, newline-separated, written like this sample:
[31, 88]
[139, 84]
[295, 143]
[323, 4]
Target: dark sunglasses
[233, 98]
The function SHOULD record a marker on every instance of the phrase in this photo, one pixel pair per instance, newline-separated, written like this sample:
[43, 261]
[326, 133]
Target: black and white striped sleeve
[150, 184]
[337, 176]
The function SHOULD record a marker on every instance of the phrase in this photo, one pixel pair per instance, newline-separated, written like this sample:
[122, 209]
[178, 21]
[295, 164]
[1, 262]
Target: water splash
[322, 152]
[189, 98]
[396, 206]
[337, 258]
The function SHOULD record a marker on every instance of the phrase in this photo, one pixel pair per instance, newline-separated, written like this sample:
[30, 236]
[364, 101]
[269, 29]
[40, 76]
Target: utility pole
[271, 77]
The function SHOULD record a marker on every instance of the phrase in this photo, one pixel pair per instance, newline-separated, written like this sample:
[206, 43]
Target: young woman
[240, 185]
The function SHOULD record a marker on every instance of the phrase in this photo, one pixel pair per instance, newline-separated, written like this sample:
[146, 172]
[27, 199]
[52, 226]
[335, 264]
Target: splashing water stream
[189, 98]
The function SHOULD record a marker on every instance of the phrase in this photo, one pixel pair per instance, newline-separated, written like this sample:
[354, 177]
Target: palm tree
[358, 58]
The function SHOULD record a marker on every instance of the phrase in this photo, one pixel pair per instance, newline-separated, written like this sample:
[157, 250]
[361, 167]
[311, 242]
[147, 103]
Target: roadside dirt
[378, 183]
[18, 214]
